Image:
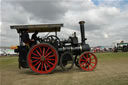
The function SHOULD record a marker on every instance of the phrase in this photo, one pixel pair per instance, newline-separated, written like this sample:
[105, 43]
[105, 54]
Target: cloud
[104, 21]
[0, 26]
[46, 10]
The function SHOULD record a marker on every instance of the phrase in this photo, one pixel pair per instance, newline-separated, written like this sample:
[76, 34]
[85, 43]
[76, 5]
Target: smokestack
[82, 32]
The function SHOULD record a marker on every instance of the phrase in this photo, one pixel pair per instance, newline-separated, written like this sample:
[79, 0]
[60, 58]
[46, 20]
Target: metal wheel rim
[62, 66]
[89, 62]
[36, 62]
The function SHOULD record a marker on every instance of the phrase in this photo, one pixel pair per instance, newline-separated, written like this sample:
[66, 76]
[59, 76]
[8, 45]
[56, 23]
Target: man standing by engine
[25, 37]
[34, 37]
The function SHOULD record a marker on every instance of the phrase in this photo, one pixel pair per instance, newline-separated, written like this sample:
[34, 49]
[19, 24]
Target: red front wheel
[43, 58]
[87, 61]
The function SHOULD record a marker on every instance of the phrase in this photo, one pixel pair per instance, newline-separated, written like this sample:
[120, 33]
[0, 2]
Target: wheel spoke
[93, 59]
[51, 63]
[34, 54]
[38, 53]
[84, 63]
[85, 58]
[43, 51]
[51, 59]
[48, 65]
[52, 56]
[40, 50]
[48, 53]
[91, 65]
[45, 66]
[36, 63]
[82, 60]
[88, 67]
[93, 62]
[38, 66]
[36, 57]
[89, 59]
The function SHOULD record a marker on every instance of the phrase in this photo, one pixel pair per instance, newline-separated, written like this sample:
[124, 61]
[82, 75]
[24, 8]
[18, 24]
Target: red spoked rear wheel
[87, 61]
[43, 58]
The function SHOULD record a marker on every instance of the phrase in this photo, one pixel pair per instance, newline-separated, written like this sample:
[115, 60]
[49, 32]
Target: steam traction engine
[50, 51]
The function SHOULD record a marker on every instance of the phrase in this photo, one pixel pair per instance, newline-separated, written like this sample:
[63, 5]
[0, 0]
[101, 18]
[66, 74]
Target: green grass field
[112, 69]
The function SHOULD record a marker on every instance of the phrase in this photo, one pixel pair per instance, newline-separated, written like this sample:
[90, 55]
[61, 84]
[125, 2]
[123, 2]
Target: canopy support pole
[56, 33]
[20, 40]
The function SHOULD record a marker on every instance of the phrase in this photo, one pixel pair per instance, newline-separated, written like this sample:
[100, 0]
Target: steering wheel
[53, 38]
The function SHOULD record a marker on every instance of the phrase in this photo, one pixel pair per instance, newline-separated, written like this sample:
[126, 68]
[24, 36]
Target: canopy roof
[38, 27]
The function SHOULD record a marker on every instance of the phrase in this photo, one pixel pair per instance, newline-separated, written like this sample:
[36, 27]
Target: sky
[106, 20]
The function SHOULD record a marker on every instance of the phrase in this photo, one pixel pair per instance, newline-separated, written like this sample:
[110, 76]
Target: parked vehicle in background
[2, 53]
[121, 47]
[7, 52]
[10, 52]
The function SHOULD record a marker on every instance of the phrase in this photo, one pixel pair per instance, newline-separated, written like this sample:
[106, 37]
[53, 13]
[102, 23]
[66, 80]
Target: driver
[34, 37]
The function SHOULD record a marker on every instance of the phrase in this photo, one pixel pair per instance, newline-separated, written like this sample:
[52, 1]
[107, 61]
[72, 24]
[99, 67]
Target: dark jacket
[25, 37]
[34, 37]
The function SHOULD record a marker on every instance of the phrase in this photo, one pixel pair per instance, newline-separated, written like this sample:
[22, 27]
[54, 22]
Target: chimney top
[81, 22]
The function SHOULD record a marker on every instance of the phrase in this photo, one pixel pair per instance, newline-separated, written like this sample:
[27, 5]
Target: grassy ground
[112, 69]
